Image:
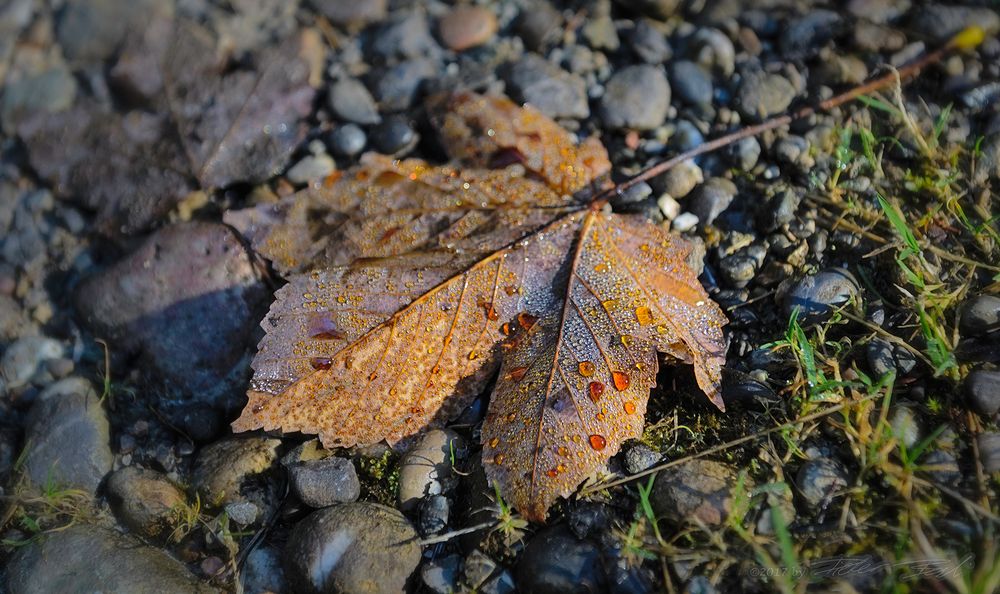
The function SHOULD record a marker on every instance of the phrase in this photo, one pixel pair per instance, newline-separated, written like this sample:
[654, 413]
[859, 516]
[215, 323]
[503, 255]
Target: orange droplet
[526, 320]
[446, 340]
[576, 439]
[643, 315]
[560, 468]
[598, 442]
[505, 328]
[552, 473]
[372, 376]
[609, 304]
[600, 267]
[595, 389]
[563, 451]
[511, 417]
[389, 233]
[621, 380]
[435, 370]
[629, 407]
[511, 290]
[517, 374]
[473, 355]
[494, 442]
[587, 368]
[498, 459]
[321, 363]
[599, 416]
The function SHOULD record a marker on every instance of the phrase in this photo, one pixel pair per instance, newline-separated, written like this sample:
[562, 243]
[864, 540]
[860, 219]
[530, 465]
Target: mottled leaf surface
[410, 285]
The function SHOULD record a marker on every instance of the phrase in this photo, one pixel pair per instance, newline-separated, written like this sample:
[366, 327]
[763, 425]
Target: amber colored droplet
[563, 451]
[321, 363]
[552, 473]
[372, 376]
[517, 374]
[473, 355]
[643, 315]
[328, 335]
[446, 340]
[598, 442]
[576, 439]
[599, 416]
[526, 320]
[416, 410]
[626, 340]
[600, 267]
[389, 233]
[595, 389]
[257, 407]
[621, 380]
[498, 459]
[511, 417]
[505, 328]
[587, 368]
[494, 442]
[629, 407]
[511, 290]
[561, 468]
[609, 304]
[491, 314]
[331, 179]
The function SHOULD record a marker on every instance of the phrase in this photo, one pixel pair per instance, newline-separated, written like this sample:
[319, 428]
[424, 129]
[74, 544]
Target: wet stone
[319, 483]
[738, 270]
[433, 514]
[636, 97]
[699, 489]
[465, 27]
[982, 392]
[405, 36]
[538, 26]
[441, 575]
[556, 562]
[350, 101]
[942, 467]
[311, 168]
[352, 547]
[639, 457]
[25, 359]
[397, 87]
[711, 199]
[351, 12]
[237, 470]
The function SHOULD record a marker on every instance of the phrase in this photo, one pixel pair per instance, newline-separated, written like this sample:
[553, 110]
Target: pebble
[804, 36]
[745, 153]
[942, 467]
[905, 425]
[311, 168]
[232, 470]
[657, 9]
[352, 548]
[980, 316]
[790, 149]
[818, 295]
[884, 357]
[319, 483]
[649, 43]
[600, 33]
[762, 95]
[669, 207]
[819, 480]
[538, 25]
[478, 568]
[433, 516]
[639, 457]
[394, 136]
[25, 359]
[351, 13]
[939, 22]
[466, 27]
[878, 11]
[684, 222]
[397, 87]
[546, 87]
[86, 558]
[556, 562]
[636, 97]
[988, 163]
[713, 50]
[502, 583]
[711, 199]
[145, 500]
[738, 270]
[698, 489]
[441, 574]
[200, 422]
[406, 35]
[348, 140]
[187, 301]
[350, 101]
[68, 437]
[686, 136]
[690, 82]
[426, 469]
[982, 392]
[49, 91]
[989, 451]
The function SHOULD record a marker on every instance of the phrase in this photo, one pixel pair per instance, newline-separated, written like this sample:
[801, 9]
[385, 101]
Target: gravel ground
[856, 253]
